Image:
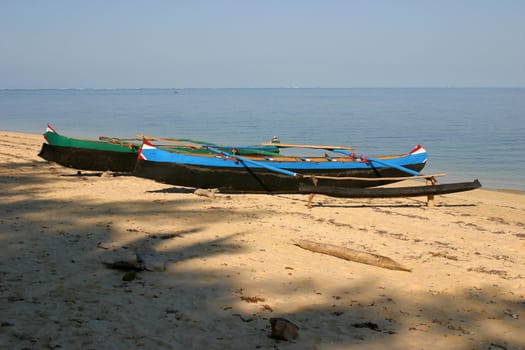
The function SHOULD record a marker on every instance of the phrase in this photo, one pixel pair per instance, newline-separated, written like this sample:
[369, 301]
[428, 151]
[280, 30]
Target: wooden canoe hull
[391, 192]
[84, 154]
[283, 174]
[89, 159]
[249, 179]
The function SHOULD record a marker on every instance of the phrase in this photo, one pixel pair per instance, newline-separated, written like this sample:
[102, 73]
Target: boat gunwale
[293, 162]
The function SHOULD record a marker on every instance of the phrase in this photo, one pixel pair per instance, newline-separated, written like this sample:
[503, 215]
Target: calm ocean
[468, 132]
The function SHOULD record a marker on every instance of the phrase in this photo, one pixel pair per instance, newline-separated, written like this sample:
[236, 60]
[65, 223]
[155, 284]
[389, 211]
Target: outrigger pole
[293, 145]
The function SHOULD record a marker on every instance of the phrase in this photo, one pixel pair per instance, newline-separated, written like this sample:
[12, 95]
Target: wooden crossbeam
[294, 145]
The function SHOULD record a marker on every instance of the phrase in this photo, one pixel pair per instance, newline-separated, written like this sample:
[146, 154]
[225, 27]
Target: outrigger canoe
[118, 155]
[281, 174]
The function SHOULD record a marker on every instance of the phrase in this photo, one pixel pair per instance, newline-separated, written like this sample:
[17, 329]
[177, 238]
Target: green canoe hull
[113, 154]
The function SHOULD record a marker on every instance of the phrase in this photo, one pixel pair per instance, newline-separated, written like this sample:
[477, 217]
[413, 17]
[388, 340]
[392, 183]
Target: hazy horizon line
[266, 87]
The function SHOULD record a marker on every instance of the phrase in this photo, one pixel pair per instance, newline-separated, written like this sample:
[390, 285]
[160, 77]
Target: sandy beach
[222, 267]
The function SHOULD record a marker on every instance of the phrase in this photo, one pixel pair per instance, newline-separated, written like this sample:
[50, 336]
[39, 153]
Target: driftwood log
[351, 255]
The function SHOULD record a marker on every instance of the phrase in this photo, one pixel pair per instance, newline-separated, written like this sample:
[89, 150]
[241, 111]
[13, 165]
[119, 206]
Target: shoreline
[218, 269]
[514, 191]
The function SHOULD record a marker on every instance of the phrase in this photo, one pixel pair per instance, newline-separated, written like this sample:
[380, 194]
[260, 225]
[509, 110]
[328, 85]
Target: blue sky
[266, 43]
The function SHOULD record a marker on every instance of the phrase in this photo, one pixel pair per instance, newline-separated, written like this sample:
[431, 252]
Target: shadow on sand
[56, 293]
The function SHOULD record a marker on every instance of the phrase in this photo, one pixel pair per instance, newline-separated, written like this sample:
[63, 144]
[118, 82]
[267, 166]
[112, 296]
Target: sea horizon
[262, 87]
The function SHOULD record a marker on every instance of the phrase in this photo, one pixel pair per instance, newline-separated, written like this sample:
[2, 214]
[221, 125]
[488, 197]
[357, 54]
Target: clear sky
[261, 43]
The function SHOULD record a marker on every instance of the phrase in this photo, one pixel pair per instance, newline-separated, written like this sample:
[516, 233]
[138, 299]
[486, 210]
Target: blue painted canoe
[280, 174]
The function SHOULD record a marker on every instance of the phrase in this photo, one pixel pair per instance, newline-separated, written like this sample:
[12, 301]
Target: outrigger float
[429, 190]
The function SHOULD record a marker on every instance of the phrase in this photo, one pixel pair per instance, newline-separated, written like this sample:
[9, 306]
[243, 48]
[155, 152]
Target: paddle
[392, 165]
[253, 162]
[291, 173]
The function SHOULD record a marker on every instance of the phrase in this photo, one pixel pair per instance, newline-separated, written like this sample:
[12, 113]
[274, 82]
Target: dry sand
[231, 266]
